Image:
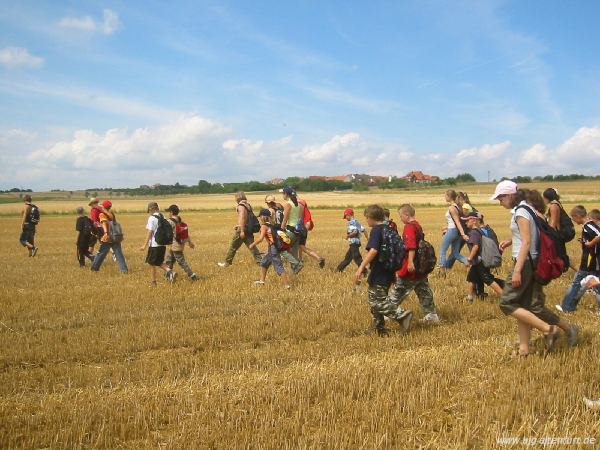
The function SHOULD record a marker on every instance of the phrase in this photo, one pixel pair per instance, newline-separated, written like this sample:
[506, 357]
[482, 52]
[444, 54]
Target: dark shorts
[27, 235]
[273, 257]
[479, 273]
[303, 237]
[156, 255]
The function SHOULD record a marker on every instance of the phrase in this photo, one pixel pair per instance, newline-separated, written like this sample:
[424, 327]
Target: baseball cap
[270, 199]
[93, 201]
[505, 187]
[152, 205]
[287, 190]
[173, 209]
[107, 204]
[473, 215]
[264, 212]
[348, 212]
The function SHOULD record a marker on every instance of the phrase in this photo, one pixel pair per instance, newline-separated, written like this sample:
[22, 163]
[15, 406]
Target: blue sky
[152, 91]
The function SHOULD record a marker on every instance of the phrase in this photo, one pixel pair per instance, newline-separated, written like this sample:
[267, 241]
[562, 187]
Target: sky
[124, 93]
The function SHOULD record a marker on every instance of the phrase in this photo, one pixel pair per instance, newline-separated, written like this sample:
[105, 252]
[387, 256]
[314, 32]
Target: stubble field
[105, 361]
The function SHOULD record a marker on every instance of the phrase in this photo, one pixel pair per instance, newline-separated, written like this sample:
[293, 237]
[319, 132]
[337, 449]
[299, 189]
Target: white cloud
[13, 57]
[535, 154]
[484, 153]
[245, 151]
[109, 24]
[334, 149]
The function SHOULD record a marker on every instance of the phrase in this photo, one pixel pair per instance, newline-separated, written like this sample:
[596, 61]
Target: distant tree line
[571, 177]
[15, 190]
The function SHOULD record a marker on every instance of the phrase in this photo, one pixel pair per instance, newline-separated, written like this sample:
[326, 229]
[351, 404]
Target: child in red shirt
[407, 278]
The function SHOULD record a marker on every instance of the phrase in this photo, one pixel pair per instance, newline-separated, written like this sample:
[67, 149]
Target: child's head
[264, 216]
[594, 214]
[451, 195]
[27, 198]
[579, 214]
[473, 219]
[406, 212]
[550, 195]
[386, 213]
[462, 198]
[348, 214]
[107, 204]
[152, 207]
[79, 210]
[507, 193]
[173, 210]
[374, 214]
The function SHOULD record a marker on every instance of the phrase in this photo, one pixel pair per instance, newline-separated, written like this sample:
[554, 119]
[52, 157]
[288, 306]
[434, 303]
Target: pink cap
[505, 187]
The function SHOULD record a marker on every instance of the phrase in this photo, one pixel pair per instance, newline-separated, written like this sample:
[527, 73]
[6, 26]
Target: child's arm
[371, 254]
[191, 243]
[473, 253]
[411, 260]
[504, 244]
[146, 242]
[593, 242]
[459, 226]
[263, 234]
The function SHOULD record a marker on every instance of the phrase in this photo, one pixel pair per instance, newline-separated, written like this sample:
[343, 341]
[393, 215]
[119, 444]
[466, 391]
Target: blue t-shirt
[378, 275]
[354, 226]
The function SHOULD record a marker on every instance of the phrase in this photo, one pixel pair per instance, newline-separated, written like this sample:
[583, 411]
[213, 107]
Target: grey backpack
[490, 253]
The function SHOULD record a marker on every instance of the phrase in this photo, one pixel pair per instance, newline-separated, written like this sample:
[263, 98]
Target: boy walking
[478, 274]
[379, 278]
[180, 238]
[590, 238]
[353, 232]
[29, 219]
[407, 278]
[84, 227]
[156, 252]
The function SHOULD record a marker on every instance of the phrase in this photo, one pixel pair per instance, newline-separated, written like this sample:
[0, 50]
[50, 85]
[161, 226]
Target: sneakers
[404, 319]
[469, 299]
[259, 282]
[170, 276]
[34, 251]
[223, 264]
[114, 257]
[322, 263]
[572, 335]
[431, 318]
[382, 332]
[194, 277]
[559, 308]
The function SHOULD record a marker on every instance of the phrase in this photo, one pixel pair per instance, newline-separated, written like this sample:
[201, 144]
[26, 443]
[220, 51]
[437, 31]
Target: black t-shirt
[589, 256]
[84, 226]
[475, 239]
[378, 275]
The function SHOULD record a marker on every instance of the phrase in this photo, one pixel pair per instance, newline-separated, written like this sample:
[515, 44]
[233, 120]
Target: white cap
[505, 187]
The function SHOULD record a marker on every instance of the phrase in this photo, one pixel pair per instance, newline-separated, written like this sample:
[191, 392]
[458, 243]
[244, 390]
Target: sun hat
[473, 215]
[505, 187]
[107, 204]
[348, 212]
[152, 205]
[270, 199]
[93, 201]
[173, 209]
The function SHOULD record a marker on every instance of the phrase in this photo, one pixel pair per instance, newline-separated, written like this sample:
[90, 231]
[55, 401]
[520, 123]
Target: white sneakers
[431, 318]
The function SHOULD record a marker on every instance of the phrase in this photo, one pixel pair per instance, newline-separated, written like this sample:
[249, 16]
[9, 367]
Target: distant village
[415, 176]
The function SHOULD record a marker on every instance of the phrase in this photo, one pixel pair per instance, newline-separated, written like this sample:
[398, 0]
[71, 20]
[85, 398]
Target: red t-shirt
[410, 236]
[95, 214]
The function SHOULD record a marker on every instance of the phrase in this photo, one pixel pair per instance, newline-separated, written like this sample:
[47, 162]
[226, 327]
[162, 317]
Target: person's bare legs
[263, 274]
[496, 287]
[524, 331]
[309, 252]
[285, 279]
[527, 317]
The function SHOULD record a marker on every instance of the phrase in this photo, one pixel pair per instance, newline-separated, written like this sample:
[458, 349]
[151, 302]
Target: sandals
[551, 338]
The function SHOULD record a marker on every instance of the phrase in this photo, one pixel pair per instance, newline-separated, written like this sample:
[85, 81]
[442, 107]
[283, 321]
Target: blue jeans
[575, 292]
[455, 242]
[103, 251]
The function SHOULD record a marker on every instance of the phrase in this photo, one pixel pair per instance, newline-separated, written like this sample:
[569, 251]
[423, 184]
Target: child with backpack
[388, 220]
[84, 227]
[523, 297]
[411, 276]
[30, 217]
[353, 232]
[110, 241]
[479, 265]
[381, 275]
[589, 265]
[159, 234]
[277, 243]
[180, 238]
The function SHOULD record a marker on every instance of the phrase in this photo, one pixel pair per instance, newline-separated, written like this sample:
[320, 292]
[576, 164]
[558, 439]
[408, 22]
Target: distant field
[572, 192]
[104, 361]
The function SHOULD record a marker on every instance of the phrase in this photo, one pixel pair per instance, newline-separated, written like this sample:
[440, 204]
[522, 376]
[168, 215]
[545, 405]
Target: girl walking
[454, 235]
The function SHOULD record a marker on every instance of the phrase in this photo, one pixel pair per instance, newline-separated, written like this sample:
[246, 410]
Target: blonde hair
[594, 214]
[239, 196]
[265, 220]
[407, 209]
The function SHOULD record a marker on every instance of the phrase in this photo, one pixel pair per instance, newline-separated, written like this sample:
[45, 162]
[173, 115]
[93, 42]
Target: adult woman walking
[454, 235]
[293, 225]
[523, 297]
[241, 233]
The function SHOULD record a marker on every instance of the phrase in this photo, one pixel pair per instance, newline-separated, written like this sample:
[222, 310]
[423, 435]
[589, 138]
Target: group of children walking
[395, 264]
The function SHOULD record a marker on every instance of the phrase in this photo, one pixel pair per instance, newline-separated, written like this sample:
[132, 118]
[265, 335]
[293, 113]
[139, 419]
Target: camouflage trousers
[381, 306]
[403, 287]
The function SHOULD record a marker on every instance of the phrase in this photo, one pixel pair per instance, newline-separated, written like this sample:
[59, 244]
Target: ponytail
[293, 196]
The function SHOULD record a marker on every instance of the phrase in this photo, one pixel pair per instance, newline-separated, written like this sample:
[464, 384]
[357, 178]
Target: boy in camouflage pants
[379, 278]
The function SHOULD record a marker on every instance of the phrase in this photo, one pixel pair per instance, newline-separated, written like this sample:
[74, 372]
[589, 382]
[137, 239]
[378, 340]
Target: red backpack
[551, 260]
[181, 231]
[307, 217]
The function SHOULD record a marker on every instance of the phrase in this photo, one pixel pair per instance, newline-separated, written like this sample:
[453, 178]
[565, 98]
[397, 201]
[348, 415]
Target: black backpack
[425, 259]
[34, 214]
[164, 232]
[567, 229]
[252, 224]
[392, 251]
[88, 226]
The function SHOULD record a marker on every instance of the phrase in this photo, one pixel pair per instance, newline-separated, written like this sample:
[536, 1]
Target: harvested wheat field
[105, 361]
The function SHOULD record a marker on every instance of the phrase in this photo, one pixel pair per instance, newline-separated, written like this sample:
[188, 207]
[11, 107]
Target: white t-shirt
[516, 235]
[152, 225]
[449, 219]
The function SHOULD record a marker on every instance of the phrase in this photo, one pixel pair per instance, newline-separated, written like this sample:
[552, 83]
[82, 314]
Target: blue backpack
[392, 251]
